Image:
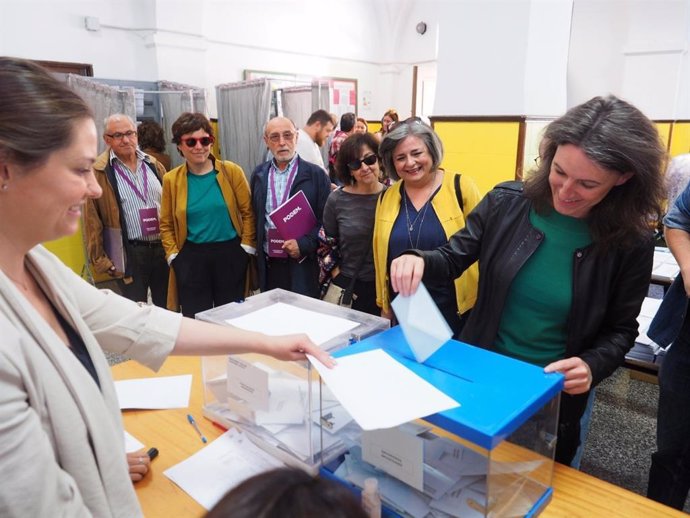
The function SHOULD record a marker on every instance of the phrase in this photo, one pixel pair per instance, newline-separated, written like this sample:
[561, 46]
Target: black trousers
[210, 275]
[149, 269]
[669, 475]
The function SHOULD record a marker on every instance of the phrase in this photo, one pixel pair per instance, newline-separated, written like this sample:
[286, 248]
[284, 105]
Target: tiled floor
[622, 433]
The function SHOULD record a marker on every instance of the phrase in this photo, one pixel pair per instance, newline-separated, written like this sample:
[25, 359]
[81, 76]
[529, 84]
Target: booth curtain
[296, 103]
[243, 110]
[176, 99]
[104, 101]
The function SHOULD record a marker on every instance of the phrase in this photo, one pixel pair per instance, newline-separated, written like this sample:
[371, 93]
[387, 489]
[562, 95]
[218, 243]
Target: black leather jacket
[608, 289]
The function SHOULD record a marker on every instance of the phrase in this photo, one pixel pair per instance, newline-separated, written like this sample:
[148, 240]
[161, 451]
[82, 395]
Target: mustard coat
[235, 189]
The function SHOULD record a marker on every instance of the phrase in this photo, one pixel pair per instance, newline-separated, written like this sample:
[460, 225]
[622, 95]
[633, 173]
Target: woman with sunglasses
[207, 222]
[348, 219]
[565, 257]
[422, 210]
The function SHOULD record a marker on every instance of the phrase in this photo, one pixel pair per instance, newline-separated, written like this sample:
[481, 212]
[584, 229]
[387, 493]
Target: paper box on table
[278, 403]
[490, 457]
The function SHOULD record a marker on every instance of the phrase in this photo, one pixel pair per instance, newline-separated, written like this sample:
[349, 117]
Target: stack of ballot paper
[426, 475]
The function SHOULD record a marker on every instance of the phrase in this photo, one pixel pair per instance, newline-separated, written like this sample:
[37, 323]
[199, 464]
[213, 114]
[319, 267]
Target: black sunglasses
[368, 160]
[205, 141]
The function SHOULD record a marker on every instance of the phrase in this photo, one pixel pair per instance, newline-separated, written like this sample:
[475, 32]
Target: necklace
[422, 212]
[411, 225]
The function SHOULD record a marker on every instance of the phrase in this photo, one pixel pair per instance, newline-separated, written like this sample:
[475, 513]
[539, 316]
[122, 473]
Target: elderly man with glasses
[290, 264]
[122, 226]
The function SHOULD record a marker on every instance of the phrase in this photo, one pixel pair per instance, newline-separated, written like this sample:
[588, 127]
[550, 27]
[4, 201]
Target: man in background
[272, 183]
[347, 128]
[122, 226]
[313, 136]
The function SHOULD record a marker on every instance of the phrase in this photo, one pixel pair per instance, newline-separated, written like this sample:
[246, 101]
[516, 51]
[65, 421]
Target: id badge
[275, 244]
[148, 219]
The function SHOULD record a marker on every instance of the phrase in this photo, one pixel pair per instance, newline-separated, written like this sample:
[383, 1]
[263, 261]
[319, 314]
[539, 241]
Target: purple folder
[294, 218]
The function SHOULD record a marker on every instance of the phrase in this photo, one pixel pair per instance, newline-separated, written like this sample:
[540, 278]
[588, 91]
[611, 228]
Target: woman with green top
[566, 257]
[207, 223]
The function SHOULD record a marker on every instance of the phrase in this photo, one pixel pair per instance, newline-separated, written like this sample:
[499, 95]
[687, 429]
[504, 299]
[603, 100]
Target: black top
[78, 347]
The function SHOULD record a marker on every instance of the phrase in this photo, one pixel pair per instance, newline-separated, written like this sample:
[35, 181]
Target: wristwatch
[112, 270]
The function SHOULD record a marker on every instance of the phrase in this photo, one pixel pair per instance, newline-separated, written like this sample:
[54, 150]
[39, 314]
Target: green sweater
[534, 322]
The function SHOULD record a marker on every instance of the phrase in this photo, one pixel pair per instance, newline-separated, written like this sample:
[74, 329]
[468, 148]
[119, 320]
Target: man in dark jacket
[272, 183]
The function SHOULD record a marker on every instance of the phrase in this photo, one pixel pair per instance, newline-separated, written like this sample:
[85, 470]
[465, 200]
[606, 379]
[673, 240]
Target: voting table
[575, 494]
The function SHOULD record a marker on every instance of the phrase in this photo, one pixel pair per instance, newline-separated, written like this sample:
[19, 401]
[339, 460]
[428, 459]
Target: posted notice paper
[380, 392]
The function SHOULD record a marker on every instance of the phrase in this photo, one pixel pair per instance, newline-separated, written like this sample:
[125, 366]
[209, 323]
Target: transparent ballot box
[490, 457]
[277, 404]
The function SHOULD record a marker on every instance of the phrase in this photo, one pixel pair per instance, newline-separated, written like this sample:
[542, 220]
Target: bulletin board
[342, 91]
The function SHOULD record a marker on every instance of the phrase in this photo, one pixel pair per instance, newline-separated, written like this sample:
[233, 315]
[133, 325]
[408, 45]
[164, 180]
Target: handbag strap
[347, 294]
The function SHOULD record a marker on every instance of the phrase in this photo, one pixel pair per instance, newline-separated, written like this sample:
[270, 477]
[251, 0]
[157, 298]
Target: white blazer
[61, 441]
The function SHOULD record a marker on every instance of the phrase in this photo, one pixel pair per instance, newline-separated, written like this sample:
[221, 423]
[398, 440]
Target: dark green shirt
[534, 321]
[208, 219]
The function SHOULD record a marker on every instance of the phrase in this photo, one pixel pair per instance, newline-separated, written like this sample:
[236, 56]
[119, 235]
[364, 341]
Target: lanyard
[271, 178]
[132, 184]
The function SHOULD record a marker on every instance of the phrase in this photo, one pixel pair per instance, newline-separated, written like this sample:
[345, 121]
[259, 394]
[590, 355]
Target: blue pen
[196, 427]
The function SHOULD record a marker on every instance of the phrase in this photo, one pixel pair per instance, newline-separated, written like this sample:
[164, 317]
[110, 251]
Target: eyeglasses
[368, 160]
[286, 135]
[120, 136]
[204, 141]
[410, 120]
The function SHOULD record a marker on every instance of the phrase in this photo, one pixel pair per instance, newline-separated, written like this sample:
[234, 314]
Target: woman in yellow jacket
[207, 223]
[422, 210]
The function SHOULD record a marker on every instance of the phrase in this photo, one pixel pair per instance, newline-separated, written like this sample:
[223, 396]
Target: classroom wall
[494, 57]
[503, 57]
[636, 49]
[209, 42]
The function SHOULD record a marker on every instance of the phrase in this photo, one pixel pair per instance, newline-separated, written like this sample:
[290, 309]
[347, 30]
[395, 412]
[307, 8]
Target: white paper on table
[284, 319]
[226, 462]
[154, 393]
[424, 327]
[379, 392]
[132, 443]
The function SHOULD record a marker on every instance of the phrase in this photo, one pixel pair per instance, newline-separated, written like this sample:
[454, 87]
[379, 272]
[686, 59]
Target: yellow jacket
[445, 205]
[235, 188]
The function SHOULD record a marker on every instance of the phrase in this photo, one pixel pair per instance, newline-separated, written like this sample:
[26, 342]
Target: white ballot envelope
[424, 327]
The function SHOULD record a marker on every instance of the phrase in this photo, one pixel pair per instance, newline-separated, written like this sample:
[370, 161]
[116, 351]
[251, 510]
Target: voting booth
[492, 456]
[278, 404]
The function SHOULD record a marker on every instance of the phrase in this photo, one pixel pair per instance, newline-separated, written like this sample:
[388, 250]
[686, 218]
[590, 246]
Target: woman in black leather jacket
[565, 259]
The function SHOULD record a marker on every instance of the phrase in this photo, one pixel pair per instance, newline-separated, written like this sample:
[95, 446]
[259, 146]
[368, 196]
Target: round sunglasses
[205, 141]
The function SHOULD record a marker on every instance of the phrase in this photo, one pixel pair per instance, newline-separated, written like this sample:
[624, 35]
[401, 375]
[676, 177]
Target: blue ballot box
[277, 404]
[490, 457]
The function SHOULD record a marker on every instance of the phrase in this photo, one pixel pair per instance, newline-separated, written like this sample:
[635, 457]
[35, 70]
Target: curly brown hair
[620, 138]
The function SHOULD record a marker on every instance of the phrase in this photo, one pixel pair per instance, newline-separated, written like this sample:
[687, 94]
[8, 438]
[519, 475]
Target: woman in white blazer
[61, 441]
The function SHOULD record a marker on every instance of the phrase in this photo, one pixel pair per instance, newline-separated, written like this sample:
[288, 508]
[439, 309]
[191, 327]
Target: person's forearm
[679, 242]
[198, 338]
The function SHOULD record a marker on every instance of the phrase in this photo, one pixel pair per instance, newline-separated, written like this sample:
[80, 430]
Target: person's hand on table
[139, 464]
[578, 376]
[406, 274]
[296, 347]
